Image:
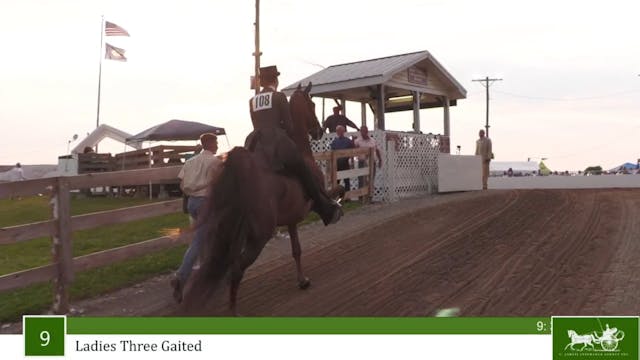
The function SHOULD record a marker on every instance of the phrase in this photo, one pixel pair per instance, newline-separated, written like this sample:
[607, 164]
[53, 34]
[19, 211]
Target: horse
[586, 340]
[248, 202]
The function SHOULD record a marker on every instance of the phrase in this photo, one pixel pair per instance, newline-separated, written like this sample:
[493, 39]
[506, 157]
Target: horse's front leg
[296, 251]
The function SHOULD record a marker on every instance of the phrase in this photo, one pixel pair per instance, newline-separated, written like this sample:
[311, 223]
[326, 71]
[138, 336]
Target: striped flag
[111, 29]
[114, 53]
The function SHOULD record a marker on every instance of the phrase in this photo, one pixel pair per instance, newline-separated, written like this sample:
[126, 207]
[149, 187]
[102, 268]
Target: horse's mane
[300, 111]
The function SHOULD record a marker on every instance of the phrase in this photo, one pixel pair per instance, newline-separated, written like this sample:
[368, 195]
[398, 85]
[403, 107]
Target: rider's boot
[330, 211]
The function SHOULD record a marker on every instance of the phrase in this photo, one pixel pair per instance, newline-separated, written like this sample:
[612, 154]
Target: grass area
[37, 208]
[37, 298]
[37, 252]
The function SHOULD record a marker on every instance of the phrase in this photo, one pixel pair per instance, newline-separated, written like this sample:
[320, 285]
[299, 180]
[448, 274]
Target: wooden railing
[367, 172]
[157, 156]
[94, 162]
[61, 226]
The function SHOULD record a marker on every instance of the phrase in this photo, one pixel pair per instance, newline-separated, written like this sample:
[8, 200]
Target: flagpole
[100, 69]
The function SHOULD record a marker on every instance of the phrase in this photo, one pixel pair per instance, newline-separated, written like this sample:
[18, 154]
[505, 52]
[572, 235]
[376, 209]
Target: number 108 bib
[262, 101]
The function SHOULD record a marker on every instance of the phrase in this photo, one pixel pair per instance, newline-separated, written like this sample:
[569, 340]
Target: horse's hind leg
[249, 255]
[296, 251]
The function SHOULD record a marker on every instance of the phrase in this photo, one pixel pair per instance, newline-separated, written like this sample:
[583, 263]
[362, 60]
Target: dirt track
[496, 253]
[512, 253]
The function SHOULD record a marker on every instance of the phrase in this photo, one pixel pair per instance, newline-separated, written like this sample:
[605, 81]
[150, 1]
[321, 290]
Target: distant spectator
[88, 149]
[16, 174]
[341, 143]
[337, 119]
[510, 172]
[366, 141]
[484, 149]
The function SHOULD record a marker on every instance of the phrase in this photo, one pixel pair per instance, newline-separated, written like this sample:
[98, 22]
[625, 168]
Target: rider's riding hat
[269, 73]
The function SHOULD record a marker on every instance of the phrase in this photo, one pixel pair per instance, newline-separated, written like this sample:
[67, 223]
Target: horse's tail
[223, 220]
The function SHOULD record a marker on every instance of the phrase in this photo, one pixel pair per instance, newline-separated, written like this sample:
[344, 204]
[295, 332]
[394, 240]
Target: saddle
[267, 145]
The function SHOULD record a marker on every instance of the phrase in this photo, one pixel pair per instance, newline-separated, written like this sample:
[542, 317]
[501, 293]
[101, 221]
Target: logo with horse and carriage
[586, 337]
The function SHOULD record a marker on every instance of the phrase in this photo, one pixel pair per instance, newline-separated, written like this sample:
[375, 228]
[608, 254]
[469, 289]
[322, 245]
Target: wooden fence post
[334, 170]
[372, 172]
[390, 168]
[62, 254]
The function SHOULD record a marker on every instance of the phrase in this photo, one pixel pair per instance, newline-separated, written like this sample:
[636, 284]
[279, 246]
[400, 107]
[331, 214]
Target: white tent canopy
[101, 132]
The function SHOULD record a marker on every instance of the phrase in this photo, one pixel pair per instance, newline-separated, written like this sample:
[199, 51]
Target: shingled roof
[340, 79]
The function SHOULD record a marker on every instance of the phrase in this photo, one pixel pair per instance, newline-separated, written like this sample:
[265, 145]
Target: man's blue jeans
[194, 203]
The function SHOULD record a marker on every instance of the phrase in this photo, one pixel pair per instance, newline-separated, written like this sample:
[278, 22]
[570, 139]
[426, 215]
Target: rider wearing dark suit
[272, 126]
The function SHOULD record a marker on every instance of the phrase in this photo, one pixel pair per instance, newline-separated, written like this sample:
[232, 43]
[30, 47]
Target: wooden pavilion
[404, 82]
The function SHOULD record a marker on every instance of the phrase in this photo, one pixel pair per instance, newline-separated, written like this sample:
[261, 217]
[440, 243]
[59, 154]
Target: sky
[570, 89]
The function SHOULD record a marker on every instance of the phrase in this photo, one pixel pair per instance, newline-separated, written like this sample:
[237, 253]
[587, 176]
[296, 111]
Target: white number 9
[45, 338]
[540, 325]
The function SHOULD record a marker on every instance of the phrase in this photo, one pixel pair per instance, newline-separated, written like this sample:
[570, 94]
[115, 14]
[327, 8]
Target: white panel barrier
[565, 182]
[459, 173]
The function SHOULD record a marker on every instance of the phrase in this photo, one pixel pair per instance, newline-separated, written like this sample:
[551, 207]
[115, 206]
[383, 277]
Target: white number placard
[262, 101]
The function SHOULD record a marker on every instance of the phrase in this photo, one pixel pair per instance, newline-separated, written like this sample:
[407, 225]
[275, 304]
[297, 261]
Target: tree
[593, 170]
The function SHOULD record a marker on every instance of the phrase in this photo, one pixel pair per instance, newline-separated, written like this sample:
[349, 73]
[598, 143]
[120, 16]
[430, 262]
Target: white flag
[114, 53]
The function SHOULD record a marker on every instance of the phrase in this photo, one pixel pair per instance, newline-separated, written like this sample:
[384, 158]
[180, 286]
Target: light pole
[75, 137]
[257, 53]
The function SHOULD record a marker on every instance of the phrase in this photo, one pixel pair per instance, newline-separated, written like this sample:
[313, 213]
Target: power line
[568, 99]
[487, 82]
[603, 145]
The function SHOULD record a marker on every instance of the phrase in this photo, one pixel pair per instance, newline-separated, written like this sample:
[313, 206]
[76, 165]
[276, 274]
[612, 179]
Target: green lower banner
[324, 325]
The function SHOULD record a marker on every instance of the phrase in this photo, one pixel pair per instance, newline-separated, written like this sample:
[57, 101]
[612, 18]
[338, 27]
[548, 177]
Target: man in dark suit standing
[337, 119]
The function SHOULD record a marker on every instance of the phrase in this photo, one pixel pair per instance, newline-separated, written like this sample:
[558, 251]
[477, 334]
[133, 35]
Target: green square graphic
[601, 337]
[44, 335]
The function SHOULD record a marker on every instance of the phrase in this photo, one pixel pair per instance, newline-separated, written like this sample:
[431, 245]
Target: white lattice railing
[410, 163]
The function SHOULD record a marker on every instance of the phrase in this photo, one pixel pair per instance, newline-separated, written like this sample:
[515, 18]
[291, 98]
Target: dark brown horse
[248, 201]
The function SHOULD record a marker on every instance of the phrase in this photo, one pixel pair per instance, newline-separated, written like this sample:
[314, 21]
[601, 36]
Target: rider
[271, 137]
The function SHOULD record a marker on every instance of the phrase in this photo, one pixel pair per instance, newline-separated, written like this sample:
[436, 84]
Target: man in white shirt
[196, 175]
[16, 174]
[365, 141]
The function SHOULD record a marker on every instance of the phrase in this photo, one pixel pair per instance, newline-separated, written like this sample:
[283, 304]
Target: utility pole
[486, 82]
[257, 53]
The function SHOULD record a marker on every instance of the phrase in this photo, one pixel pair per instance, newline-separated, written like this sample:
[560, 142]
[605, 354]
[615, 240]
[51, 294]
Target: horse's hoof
[304, 284]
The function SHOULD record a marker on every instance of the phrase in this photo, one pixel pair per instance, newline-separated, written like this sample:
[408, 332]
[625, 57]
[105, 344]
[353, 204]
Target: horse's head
[303, 112]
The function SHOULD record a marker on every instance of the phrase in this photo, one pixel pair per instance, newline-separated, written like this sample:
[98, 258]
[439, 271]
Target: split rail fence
[61, 226]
